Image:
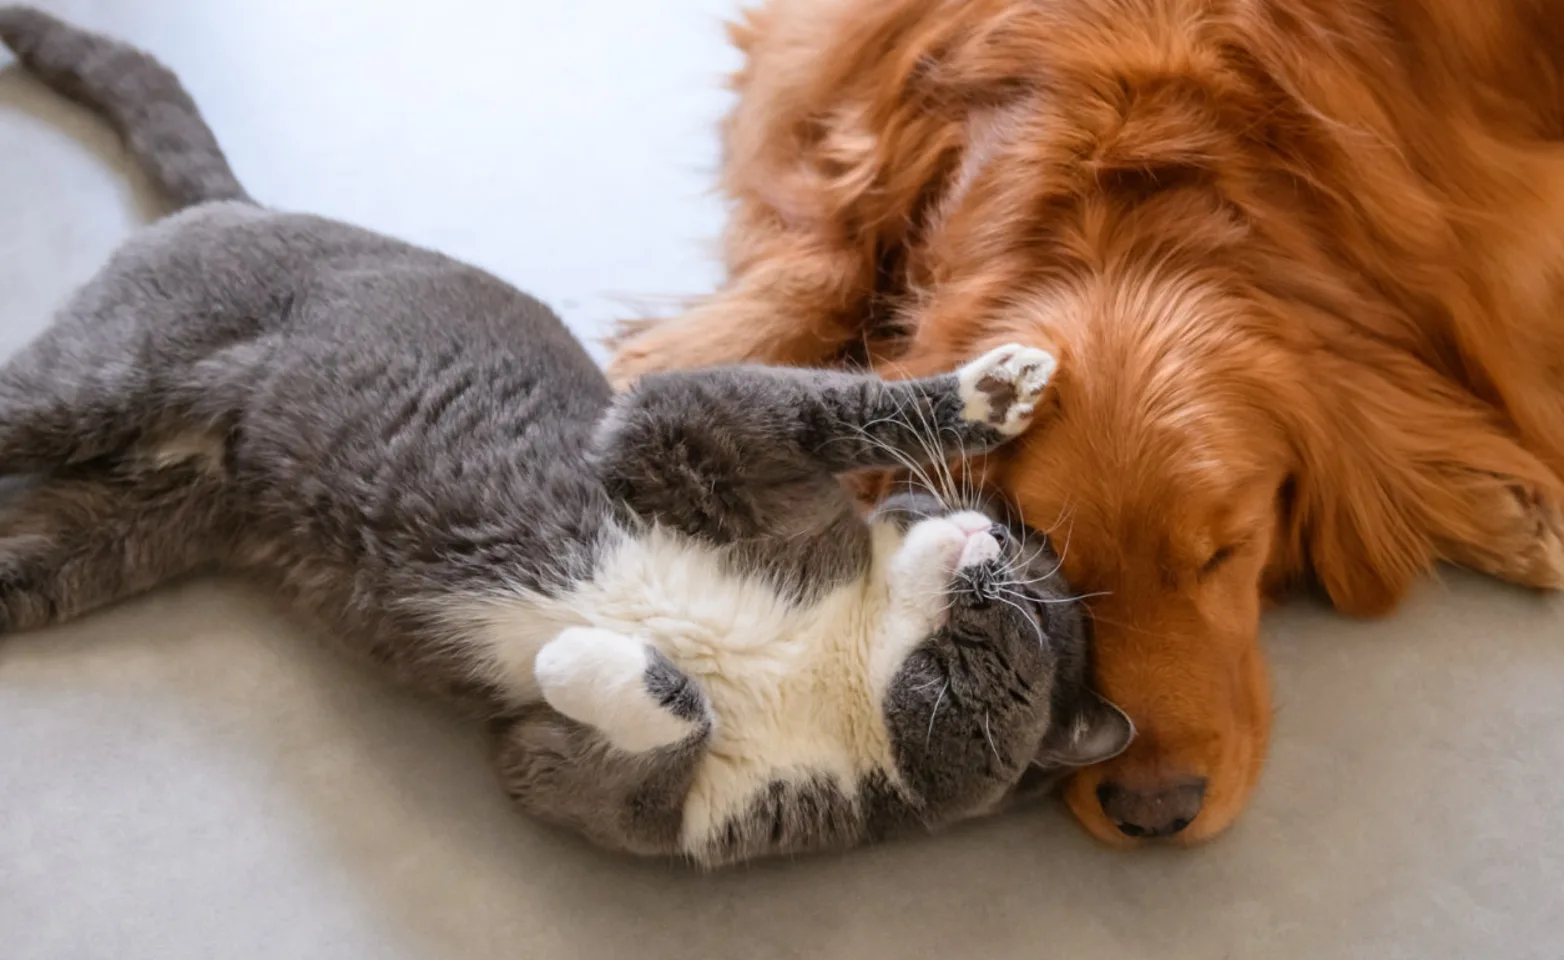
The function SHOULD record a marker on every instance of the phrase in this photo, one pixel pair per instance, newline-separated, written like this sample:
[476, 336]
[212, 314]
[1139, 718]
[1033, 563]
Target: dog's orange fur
[1303, 261]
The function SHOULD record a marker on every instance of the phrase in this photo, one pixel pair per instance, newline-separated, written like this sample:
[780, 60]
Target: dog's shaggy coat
[1303, 261]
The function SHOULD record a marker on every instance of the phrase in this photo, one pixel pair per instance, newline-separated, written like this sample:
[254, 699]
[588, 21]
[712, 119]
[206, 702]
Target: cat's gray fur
[376, 432]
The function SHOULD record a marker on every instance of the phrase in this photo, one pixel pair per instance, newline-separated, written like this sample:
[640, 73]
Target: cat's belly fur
[790, 686]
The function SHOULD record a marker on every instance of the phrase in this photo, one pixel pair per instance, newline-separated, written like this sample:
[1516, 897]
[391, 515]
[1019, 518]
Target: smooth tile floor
[190, 777]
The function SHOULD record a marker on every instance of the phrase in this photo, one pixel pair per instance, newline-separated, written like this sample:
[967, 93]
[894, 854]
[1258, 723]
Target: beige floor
[188, 777]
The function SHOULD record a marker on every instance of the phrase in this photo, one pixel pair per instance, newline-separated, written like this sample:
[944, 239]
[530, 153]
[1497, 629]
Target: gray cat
[683, 635]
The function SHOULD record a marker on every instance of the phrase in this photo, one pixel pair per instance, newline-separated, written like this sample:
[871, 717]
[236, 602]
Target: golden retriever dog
[1302, 262]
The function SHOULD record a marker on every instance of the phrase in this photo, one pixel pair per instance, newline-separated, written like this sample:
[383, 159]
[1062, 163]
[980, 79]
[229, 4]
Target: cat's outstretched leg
[679, 440]
[73, 543]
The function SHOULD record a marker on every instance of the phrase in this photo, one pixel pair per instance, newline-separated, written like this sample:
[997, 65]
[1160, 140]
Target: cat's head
[988, 700]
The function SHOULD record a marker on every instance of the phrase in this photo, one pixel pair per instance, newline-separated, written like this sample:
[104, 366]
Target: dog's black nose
[1160, 810]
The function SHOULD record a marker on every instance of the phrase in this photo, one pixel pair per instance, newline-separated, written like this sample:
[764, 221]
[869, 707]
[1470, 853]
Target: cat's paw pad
[619, 686]
[1002, 387]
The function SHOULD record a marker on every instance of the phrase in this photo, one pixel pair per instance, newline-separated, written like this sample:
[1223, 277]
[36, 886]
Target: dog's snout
[1160, 810]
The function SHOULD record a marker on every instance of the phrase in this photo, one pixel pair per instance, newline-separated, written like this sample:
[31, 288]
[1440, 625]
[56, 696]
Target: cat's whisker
[914, 470]
[941, 463]
[1042, 641]
[1082, 596]
[1064, 550]
[1079, 596]
[960, 490]
[1049, 601]
[970, 490]
[899, 456]
[989, 736]
[1031, 558]
[960, 473]
[1016, 580]
[926, 686]
[928, 439]
[1065, 516]
[1017, 562]
[934, 714]
[918, 470]
[980, 484]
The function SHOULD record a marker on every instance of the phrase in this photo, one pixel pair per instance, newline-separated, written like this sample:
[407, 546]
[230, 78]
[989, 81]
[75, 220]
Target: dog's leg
[1515, 530]
[1489, 504]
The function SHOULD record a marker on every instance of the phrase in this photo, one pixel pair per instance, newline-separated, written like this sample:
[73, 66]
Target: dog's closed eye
[1219, 558]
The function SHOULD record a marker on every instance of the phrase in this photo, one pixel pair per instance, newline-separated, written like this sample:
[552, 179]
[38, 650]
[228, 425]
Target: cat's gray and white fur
[684, 637]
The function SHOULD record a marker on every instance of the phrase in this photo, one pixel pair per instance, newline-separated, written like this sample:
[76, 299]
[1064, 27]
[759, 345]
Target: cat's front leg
[919, 583]
[624, 689]
[978, 407]
[899, 423]
[1002, 388]
[694, 432]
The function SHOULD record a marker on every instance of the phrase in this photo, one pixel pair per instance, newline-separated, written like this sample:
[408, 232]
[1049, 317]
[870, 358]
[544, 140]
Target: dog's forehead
[1106, 526]
[1077, 462]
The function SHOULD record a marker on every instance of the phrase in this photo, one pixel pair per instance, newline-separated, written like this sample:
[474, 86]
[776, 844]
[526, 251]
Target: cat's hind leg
[81, 390]
[626, 690]
[613, 751]
[82, 539]
[53, 418]
[122, 362]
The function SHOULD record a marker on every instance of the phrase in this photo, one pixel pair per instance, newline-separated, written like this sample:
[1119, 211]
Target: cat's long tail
[139, 96]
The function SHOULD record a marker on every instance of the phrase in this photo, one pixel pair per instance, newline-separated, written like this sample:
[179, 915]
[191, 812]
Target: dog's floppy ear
[1346, 525]
[1358, 494]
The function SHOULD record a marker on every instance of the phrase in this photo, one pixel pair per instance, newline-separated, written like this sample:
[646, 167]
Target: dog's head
[1202, 443]
[1201, 446]
[1165, 469]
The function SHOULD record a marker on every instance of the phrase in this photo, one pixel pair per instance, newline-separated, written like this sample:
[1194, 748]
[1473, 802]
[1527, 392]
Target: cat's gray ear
[1096, 731]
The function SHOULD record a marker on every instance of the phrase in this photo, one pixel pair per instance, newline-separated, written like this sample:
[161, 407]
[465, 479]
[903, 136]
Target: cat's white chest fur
[794, 689]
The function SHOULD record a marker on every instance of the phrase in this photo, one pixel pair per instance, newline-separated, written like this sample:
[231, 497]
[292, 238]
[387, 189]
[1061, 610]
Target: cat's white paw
[929, 555]
[980, 548]
[1002, 387]
[934, 550]
[922, 573]
[605, 680]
